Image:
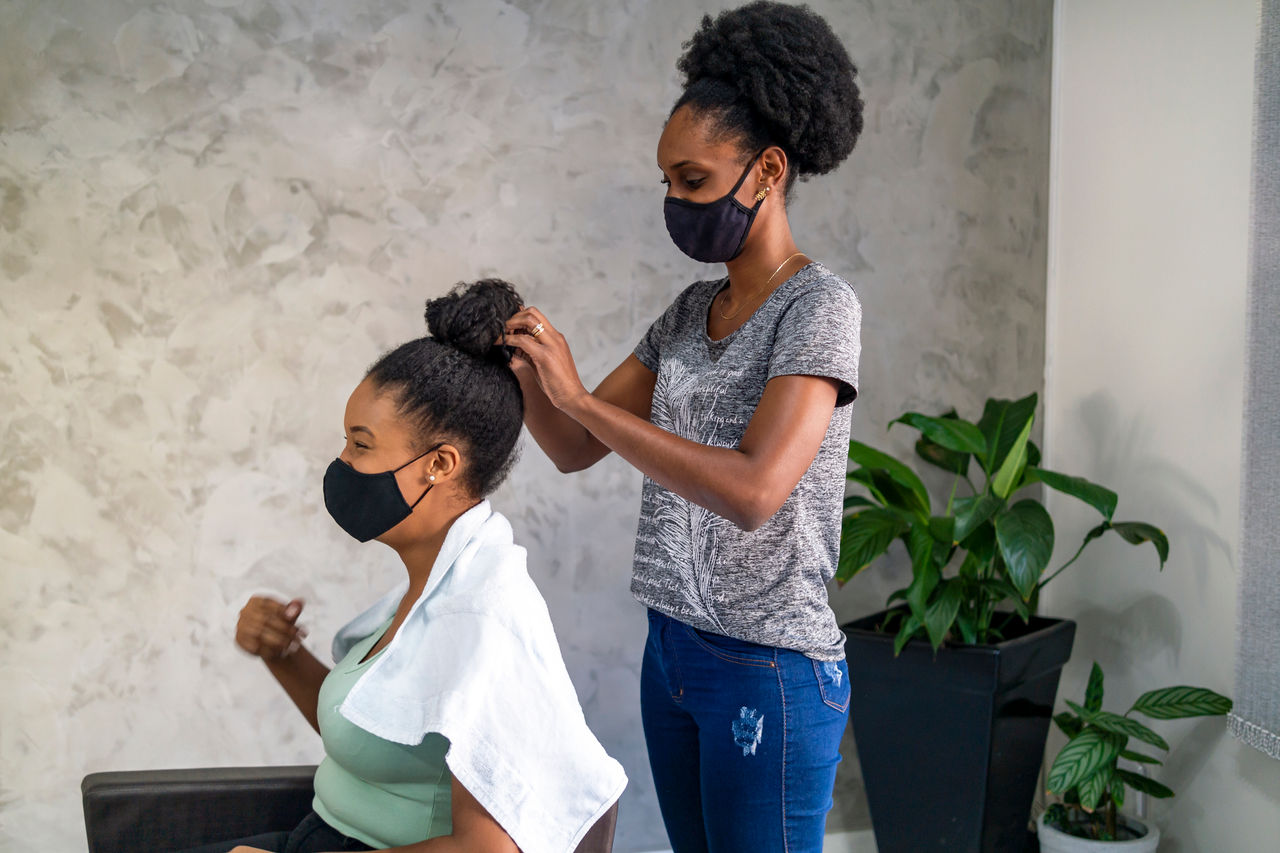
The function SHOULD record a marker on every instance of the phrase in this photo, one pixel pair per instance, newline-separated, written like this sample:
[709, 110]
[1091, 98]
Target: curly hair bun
[786, 66]
[472, 317]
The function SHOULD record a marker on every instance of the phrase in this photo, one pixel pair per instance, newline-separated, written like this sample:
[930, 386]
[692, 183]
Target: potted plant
[952, 695]
[1087, 776]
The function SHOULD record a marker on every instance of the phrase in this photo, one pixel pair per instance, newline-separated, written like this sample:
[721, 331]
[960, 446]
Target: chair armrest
[167, 810]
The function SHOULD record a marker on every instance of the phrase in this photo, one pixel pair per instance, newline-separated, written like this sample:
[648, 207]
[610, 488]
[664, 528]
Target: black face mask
[712, 232]
[367, 505]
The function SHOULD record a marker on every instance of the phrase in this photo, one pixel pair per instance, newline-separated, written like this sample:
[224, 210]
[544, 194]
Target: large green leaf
[1025, 534]
[1082, 757]
[869, 457]
[908, 630]
[1137, 532]
[941, 614]
[1093, 693]
[1110, 722]
[857, 501]
[951, 433]
[1009, 474]
[896, 495]
[939, 456]
[1093, 787]
[924, 571]
[1099, 497]
[1171, 703]
[943, 529]
[970, 512]
[864, 536]
[1001, 424]
[1146, 785]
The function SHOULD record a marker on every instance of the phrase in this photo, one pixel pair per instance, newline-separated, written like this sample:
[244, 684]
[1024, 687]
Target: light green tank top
[382, 793]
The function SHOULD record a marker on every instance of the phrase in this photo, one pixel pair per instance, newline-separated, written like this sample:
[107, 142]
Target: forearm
[301, 674]
[565, 441]
[724, 480]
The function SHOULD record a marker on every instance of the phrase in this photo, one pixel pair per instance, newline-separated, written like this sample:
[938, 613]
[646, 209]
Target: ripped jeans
[743, 740]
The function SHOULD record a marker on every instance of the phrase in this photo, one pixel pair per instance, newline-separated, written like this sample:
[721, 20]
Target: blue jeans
[743, 740]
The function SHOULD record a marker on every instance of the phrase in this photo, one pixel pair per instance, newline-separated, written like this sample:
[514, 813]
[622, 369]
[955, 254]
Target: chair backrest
[165, 810]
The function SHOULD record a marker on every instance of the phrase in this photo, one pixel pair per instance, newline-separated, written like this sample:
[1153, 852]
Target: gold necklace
[760, 290]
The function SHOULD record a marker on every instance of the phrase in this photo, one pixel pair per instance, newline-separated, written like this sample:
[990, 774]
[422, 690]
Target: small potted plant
[1087, 776]
[953, 686]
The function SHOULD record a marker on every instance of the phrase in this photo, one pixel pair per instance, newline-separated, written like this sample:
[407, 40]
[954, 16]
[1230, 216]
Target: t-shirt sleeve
[820, 335]
[649, 350]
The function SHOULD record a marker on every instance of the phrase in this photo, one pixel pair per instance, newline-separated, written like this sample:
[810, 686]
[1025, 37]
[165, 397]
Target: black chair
[166, 810]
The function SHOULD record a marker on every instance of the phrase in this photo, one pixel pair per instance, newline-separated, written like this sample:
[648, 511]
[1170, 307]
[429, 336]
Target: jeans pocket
[833, 682]
[731, 650]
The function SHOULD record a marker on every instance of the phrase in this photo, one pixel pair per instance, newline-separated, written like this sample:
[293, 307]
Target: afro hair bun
[788, 69]
[472, 317]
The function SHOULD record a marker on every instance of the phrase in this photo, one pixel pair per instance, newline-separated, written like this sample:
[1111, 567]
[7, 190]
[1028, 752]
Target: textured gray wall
[214, 214]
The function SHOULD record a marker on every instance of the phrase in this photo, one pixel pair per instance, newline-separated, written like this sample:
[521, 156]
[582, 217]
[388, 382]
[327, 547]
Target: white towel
[477, 661]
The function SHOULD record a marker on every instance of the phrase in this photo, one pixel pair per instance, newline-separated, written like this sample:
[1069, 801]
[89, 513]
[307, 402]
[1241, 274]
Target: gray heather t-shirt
[767, 586]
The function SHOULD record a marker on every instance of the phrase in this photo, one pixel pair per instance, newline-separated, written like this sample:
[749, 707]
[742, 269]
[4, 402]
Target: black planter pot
[951, 746]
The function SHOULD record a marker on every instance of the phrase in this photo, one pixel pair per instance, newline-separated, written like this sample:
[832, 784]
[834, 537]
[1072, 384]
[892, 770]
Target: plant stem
[1083, 545]
[1111, 819]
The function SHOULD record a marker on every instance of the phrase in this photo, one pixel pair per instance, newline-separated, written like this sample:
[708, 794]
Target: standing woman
[735, 405]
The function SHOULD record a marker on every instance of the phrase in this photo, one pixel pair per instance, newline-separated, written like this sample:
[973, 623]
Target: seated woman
[449, 721]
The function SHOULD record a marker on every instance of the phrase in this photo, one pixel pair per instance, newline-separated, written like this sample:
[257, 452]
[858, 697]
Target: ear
[773, 167]
[444, 463]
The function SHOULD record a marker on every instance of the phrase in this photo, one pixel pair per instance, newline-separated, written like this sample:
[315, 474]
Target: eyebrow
[362, 429]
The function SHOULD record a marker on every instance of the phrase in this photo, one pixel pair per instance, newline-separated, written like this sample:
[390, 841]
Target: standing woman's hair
[456, 385]
[772, 74]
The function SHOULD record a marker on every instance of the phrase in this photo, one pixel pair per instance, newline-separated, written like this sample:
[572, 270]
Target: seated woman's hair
[456, 386]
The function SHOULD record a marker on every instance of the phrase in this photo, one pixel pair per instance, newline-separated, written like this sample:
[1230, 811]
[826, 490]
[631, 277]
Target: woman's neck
[420, 553]
[760, 257]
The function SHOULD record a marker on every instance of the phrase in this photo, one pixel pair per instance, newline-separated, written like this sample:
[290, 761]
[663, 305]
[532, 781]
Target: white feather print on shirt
[686, 531]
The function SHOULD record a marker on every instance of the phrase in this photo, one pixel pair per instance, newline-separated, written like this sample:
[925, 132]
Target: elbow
[571, 466]
[754, 511]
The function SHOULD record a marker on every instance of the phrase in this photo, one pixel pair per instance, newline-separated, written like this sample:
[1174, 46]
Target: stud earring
[433, 478]
[764, 191]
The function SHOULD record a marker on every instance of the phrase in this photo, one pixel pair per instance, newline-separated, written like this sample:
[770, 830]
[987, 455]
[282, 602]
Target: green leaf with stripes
[1070, 724]
[1092, 788]
[1093, 693]
[1139, 757]
[1145, 784]
[1172, 703]
[1110, 722]
[1082, 757]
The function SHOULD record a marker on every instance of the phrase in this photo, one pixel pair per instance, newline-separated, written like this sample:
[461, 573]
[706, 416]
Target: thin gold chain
[759, 290]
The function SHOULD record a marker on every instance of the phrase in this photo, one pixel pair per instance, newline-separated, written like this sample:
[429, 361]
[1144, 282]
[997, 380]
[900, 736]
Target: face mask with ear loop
[712, 232]
[368, 505]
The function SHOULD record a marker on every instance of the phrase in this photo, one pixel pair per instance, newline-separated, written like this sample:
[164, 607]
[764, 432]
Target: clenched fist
[267, 628]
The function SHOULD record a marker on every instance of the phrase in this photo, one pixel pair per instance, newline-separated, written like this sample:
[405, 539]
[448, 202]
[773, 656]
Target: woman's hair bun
[782, 66]
[472, 317]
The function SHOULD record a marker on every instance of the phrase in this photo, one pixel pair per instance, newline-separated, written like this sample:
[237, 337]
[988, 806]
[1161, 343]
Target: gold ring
[537, 330]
